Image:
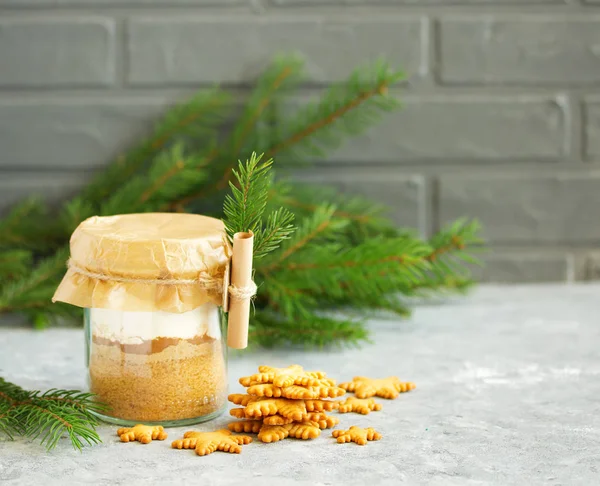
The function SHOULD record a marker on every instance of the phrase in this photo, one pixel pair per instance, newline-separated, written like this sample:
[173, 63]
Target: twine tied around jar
[207, 281]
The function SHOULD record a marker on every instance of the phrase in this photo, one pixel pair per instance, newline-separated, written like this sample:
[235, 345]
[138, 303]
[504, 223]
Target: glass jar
[155, 291]
[157, 367]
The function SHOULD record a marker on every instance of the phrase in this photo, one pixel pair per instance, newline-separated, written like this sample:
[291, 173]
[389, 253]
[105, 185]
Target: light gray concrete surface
[508, 392]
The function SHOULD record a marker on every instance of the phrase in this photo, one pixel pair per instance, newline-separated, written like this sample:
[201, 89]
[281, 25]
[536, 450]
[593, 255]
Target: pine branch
[314, 229]
[449, 252]
[7, 423]
[283, 74]
[198, 117]
[13, 264]
[27, 226]
[364, 217]
[50, 415]
[244, 208]
[344, 109]
[327, 276]
[436, 285]
[347, 108]
[251, 130]
[171, 173]
[372, 275]
[37, 287]
[269, 330]
[279, 227]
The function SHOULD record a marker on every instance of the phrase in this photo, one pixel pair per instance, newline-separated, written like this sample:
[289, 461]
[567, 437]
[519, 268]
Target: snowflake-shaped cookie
[142, 433]
[295, 391]
[246, 426]
[257, 407]
[284, 377]
[241, 399]
[274, 433]
[383, 387]
[323, 420]
[208, 442]
[356, 434]
[359, 405]
[277, 420]
[320, 405]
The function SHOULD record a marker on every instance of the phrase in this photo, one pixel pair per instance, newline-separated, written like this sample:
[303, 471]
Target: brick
[404, 195]
[75, 52]
[524, 268]
[50, 187]
[526, 50]
[68, 134]
[530, 208]
[592, 128]
[173, 51]
[462, 128]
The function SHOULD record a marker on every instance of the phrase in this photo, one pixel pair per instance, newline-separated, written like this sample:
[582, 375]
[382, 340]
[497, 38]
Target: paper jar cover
[146, 262]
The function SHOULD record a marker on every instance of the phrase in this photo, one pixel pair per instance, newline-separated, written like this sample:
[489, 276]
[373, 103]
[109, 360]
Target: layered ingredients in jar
[157, 366]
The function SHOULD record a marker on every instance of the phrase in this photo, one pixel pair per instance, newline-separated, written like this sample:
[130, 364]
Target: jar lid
[171, 262]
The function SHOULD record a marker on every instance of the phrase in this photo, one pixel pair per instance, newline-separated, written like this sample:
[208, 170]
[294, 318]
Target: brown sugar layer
[183, 381]
[150, 346]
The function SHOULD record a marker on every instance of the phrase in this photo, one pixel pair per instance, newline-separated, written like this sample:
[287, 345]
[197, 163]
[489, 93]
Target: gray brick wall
[501, 118]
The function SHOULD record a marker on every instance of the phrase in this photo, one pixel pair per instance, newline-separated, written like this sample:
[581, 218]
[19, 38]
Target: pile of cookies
[285, 402]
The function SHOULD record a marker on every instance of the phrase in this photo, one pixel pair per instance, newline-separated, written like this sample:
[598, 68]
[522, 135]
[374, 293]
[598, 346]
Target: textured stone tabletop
[508, 392]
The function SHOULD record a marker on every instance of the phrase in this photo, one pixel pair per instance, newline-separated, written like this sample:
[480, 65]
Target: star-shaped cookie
[273, 433]
[142, 433]
[302, 430]
[277, 420]
[295, 391]
[208, 442]
[238, 413]
[365, 387]
[246, 426]
[284, 377]
[323, 420]
[263, 407]
[241, 399]
[356, 434]
[320, 405]
[360, 405]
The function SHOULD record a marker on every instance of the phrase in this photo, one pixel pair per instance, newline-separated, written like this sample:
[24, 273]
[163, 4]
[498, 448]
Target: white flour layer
[136, 327]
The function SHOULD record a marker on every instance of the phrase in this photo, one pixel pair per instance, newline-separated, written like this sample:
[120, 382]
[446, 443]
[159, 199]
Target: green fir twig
[49, 416]
[244, 209]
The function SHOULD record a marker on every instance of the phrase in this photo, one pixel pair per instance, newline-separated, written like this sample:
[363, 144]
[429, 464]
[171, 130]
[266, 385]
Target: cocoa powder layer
[183, 381]
[151, 346]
